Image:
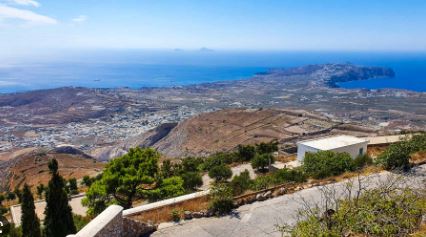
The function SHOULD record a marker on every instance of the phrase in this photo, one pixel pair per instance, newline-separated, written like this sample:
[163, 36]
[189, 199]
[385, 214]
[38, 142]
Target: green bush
[175, 214]
[221, 199]
[246, 153]
[80, 221]
[261, 161]
[377, 212]
[220, 173]
[289, 175]
[191, 180]
[327, 163]
[262, 182]
[241, 183]
[362, 161]
[396, 157]
[267, 148]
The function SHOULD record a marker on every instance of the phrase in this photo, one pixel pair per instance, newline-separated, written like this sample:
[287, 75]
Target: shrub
[396, 157]
[362, 161]
[191, 164]
[377, 212]
[221, 201]
[240, 183]
[267, 148]
[166, 169]
[175, 214]
[261, 161]
[80, 221]
[327, 163]
[246, 153]
[191, 180]
[262, 182]
[172, 187]
[72, 183]
[220, 173]
[289, 175]
[87, 181]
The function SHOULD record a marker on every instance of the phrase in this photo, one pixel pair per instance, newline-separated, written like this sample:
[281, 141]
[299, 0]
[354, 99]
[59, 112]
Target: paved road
[260, 218]
[75, 203]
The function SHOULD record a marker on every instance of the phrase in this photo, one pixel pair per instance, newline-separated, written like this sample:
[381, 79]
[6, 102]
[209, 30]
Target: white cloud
[24, 15]
[80, 19]
[32, 3]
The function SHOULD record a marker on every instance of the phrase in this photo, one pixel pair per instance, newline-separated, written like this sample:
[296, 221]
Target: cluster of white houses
[341, 143]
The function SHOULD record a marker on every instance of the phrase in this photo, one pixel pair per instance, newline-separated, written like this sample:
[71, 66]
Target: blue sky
[37, 26]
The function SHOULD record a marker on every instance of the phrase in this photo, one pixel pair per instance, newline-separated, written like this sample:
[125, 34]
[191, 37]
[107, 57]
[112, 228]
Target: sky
[39, 26]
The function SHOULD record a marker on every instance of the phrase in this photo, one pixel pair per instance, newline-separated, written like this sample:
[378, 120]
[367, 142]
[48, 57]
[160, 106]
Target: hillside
[30, 166]
[224, 130]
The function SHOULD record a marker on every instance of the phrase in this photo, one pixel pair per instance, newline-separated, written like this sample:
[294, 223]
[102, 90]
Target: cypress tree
[58, 221]
[29, 219]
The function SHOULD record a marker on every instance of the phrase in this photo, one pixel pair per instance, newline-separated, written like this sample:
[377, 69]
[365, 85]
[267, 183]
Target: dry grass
[286, 158]
[163, 214]
[418, 158]
[421, 232]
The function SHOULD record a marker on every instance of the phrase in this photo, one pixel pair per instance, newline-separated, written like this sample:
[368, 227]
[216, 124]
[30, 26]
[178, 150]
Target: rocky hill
[224, 130]
[30, 166]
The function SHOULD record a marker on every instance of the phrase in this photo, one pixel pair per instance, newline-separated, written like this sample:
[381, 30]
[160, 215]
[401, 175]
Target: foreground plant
[388, 210]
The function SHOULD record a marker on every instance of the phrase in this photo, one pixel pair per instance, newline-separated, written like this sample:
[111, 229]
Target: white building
[341, 143]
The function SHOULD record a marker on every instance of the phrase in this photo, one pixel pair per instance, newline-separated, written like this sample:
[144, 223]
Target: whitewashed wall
[353, 150]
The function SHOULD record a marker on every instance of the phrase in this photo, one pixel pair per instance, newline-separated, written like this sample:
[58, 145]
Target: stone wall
[107, 224]
[138, 221]
[134, 228]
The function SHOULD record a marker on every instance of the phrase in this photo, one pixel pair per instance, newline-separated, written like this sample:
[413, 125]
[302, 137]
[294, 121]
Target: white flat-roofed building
[340, 143]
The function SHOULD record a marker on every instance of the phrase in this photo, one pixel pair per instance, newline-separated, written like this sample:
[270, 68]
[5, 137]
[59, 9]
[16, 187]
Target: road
[260, 218]
[75, 203]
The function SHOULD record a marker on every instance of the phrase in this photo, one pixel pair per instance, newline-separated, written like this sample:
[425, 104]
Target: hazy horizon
[42, 27]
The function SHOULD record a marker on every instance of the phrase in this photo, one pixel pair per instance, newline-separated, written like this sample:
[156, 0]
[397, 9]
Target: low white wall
[302, 149]
[107, 224]
[163, 203]
[353, 150]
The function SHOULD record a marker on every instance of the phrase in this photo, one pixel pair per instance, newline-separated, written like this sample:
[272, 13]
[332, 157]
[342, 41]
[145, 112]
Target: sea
[171, 68]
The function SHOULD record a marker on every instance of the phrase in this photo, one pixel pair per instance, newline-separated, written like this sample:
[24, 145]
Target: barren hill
[224, 130]
[30, 166]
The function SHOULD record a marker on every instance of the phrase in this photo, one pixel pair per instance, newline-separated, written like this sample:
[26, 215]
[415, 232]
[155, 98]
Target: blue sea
[138, 68]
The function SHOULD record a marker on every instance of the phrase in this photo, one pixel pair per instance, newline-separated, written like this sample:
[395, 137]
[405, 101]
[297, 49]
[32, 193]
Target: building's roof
[333, 142]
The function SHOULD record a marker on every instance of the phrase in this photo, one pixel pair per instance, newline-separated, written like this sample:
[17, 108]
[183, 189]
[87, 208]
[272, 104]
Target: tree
[220, 173]
[172, 187]
[396, 157]
[72, 183]
[58, 221]
[124, 178]
[18, 193]
[2, 198]
[240, 183]
[265, 148]
[166, 169]
[261, 161]
[191, 180]
[29, 220]
[10, 196]
[40, 190]
[87, 181]
[221, 201]
[327, 163]
[246, 153]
